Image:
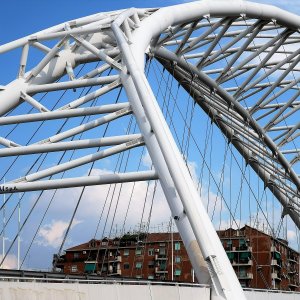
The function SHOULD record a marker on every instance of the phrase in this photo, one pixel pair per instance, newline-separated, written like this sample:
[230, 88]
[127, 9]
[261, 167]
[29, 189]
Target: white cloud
[291, 235]
[52, 234]
[10, 262]
[225, 224]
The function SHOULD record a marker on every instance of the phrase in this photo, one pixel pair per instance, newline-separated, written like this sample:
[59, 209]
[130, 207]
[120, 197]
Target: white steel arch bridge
[238, 62]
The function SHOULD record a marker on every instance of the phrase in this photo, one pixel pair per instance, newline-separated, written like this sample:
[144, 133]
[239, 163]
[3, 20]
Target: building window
[277, 255]
[162, 244]
[138, 265]
[177, 259]
[162, 251]
[242, 242]
[138, 252]
[104, 268]
[177, 272]
[138, 276]
[151, 252]
[150, 277]
[242, 272]
[177, 246]
[126, 252]
[151, 264]
[163, 266]
[126, 266]
[76, 255]
[74, 268]
[228, 245]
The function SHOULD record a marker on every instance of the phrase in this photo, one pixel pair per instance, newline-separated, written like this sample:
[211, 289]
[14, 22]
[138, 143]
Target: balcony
[242, 249]
[114, 272]
[275, 276]
[293, 283]
[293, 259]
[276, 263]
[115, 259]
[248, 262]
[274, 249]
[160, 257]
[160, 270]
[292, 271]
[243, 275]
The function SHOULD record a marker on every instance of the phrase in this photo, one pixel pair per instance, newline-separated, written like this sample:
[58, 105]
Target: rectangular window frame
[138, 251]
[177, 246]
[177, 259]
[74, 268]
[151, 252]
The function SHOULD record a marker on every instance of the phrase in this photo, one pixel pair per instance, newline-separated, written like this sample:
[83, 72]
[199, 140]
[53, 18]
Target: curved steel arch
[228, 53]
[200, 54]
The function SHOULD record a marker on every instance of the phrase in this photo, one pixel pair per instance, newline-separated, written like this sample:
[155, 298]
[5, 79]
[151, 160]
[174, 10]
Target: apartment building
[160, 256]
[260, 261]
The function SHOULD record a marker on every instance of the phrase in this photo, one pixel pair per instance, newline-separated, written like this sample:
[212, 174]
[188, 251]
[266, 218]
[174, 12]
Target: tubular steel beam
[231, 136]
[167, 55]
[77, 83]
[63, 146]
[61, 114]
[121, 39]
[87, 126]
[77, 182]
[81, 161]
[208, 240]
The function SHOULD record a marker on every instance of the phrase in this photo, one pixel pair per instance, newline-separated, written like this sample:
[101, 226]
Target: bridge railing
[23, 288]
[100, 281]
[129, 281]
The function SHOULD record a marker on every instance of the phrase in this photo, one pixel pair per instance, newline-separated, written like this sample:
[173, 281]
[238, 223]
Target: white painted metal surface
[29, 289]
[132, 33]
[104, 290]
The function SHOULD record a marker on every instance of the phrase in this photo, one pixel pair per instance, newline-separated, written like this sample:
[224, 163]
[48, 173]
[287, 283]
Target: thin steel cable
[79, 200]
[39, 157]
[210, 172]
[58, 163]
[111, 202]
[37, 129]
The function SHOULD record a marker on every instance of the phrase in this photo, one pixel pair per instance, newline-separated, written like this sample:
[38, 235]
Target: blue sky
[20, 18]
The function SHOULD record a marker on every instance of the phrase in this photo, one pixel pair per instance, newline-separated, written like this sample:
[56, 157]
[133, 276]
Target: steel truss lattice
[241, 65]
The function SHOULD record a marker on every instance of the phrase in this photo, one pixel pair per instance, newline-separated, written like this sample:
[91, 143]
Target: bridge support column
[171, 164]
[167, 184]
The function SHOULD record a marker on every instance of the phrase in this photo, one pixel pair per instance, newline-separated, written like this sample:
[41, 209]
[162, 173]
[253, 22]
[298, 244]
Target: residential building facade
[158, 256]
[259, 260]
